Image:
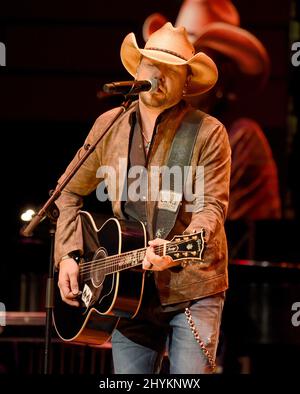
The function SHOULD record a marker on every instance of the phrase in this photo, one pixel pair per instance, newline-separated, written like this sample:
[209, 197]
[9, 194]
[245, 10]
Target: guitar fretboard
[179, 248]
[130, 259]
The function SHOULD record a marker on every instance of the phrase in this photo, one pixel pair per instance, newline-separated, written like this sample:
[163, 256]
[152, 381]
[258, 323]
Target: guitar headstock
[187, 246]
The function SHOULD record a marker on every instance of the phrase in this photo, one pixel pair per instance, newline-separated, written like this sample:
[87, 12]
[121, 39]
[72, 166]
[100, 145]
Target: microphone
[130, 87]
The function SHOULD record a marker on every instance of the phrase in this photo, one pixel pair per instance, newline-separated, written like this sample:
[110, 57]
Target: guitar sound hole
[98, 268]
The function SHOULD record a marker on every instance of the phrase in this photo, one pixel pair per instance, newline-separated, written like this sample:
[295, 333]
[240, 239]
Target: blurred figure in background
[244, 66]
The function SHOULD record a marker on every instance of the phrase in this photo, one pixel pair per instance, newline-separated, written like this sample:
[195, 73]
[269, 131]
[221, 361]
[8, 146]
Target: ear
[153, 23]
[187, 81]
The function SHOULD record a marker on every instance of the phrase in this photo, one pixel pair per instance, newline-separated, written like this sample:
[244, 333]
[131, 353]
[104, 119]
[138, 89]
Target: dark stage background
[58, 56]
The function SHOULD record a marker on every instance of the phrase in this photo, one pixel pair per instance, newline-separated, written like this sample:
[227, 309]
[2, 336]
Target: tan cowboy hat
[214, 24]
[170, 45]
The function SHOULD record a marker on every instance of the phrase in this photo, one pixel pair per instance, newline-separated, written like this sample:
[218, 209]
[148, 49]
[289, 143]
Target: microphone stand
[51, 211]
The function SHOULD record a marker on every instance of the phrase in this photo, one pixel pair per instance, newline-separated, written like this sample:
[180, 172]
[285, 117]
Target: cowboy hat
[170, 45]
[215, 24]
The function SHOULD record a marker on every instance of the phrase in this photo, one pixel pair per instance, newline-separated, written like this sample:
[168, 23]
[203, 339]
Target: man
[182, 303]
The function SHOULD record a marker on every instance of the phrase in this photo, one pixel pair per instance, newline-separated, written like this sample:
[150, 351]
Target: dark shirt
[137, 157]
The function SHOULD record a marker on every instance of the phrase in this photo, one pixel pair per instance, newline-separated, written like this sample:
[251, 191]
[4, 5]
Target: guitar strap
[179, 157]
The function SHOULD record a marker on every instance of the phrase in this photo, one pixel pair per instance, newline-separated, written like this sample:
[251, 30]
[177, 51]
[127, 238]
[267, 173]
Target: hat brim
[238, 44]
[203, 69]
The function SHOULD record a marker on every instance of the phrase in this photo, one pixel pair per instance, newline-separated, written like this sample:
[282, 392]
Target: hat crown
[173, 40]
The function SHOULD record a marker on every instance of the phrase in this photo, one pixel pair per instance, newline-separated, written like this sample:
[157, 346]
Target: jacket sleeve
[211, 186]
[68, 237]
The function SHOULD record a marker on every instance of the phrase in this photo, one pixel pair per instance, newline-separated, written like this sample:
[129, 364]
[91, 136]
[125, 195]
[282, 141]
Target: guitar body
[107, 292]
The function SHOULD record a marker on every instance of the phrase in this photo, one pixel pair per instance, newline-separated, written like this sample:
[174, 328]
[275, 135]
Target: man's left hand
[155, 262]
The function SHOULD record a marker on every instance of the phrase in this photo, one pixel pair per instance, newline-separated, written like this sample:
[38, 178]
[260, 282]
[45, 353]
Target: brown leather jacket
[211, 150]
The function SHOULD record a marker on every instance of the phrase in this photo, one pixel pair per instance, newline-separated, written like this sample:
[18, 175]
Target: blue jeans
[184, 352]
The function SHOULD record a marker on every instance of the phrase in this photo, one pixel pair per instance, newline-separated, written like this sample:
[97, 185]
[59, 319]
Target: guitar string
[157, 248]
[97, 269]
[117, 257]
[113, 261]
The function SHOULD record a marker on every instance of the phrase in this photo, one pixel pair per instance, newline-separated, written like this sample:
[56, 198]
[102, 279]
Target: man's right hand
[68, 281]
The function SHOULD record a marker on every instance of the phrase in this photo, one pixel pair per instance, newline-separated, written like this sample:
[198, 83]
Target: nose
[158, 73]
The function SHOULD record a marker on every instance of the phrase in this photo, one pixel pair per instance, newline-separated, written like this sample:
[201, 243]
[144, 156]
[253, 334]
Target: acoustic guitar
[111, 279]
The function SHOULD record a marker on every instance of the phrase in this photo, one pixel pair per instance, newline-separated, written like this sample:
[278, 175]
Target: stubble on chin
[152, 100]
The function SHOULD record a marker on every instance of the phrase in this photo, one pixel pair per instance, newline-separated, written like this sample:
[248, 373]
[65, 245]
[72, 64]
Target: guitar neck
[182, 247]
[130, 259]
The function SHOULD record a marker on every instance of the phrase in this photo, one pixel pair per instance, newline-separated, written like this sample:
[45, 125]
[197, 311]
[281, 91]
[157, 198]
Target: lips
[160, 90]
